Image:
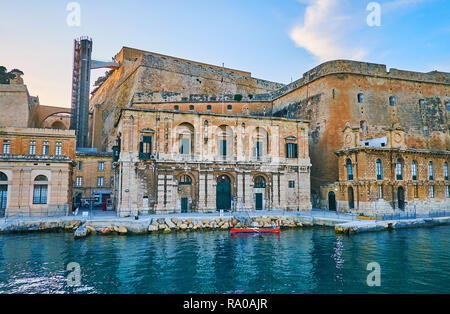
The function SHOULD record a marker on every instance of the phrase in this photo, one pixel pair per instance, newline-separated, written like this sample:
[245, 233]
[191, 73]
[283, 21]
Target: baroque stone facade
[382, 175]
[181, 161]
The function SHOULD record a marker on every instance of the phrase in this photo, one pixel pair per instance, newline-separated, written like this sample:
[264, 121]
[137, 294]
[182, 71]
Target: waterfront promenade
[95, 221]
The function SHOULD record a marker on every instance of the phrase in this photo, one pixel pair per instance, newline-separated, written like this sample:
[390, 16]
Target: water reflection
[297, 261]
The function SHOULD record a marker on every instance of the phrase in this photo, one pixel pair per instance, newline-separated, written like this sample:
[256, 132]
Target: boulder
[91, 229]
[183, 226]
[169, 223]
[122, 230]
[152, 228]
[162, 226]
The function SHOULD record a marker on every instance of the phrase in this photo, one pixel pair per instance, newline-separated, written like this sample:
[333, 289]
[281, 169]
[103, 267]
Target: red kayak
[254, 230]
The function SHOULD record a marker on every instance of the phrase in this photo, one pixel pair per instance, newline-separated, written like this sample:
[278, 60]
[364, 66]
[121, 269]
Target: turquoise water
[297, 261]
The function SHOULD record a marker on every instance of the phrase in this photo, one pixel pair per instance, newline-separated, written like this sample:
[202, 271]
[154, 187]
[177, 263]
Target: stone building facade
[35, 171]
[371, 97]
[182, 161]
[382, 175]
[93, 175]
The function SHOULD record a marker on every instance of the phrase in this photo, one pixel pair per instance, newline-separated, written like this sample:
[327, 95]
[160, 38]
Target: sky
[276, 40]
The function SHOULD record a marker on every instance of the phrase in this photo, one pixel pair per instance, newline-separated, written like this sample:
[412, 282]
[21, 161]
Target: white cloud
[326, 31]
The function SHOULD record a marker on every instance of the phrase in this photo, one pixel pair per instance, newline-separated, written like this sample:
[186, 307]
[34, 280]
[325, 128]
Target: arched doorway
[331, 201]
[259, 191]
[351, 198]
[401, 198]
[223, 193]
[185, 191]
[3, 193]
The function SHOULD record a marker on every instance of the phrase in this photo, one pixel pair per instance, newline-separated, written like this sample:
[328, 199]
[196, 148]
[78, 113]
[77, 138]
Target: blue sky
[274, 40]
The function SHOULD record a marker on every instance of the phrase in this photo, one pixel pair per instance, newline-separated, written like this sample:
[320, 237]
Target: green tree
[5, 77]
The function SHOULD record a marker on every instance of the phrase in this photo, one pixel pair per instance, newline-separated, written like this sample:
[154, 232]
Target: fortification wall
[142, 72]
[329, 99]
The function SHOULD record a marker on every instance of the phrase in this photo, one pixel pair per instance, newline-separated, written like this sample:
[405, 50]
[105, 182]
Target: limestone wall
[14, 108]
[328, 97]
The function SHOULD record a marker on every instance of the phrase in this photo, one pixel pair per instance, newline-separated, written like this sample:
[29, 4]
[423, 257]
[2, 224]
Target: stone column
[249, 200]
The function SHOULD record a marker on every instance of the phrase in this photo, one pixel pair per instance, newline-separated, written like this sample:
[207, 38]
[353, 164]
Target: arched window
[3, 177]
[185, 180]
[379, 167]
[399, 169]
[430, 171]
[445, 171]
[349, 166]
[414, 170]
[40, 190]
[361, 98]
[260, 182]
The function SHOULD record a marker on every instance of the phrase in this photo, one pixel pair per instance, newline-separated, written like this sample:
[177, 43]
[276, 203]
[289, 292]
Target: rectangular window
[45, 148]
[416, 191]
[291, 150]
[32, 150]
[414, 170]
[40, 194]
[223, 147]
[291, 184]
[447, 191]
[111, 181]
[446, 171]
[100, 181]
[6, 147]
[259, 149]
[145, 148]
[101, 165]
[80, 166]
[79, 181]
[185, 148]
[432, 191]
[58, 149]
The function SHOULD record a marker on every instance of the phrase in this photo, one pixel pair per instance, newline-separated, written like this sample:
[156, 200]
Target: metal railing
[413, 215]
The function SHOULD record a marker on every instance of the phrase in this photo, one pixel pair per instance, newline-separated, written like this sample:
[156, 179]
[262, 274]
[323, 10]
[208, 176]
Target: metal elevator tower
[80, 89]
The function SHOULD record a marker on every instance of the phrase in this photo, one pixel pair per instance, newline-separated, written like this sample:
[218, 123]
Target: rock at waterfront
[152, 228]
[91, 229]
[183, 226]
[170, 223]
[122, 230]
